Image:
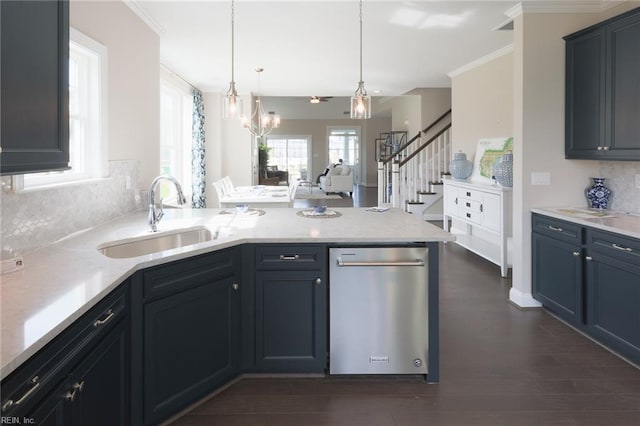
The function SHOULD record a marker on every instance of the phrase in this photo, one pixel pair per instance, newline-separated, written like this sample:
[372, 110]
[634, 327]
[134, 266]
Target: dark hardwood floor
[499, 366]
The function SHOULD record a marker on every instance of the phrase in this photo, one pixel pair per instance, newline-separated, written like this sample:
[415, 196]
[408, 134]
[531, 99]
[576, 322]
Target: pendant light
[361, 101]
[260, 123]
[232, 104]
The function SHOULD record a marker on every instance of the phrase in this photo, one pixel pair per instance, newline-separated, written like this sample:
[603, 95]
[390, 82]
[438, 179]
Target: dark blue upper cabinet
[603, 90]
[34, 126]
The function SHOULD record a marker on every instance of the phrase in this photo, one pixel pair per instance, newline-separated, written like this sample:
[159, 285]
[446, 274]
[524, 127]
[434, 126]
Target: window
[87, 116]
[290, 153]
[176, 108]
[344, 144]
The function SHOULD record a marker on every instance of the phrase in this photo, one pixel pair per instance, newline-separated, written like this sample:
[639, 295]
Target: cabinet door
[613, 309]
[291, 321]
[585, 95]
[35, 80]
[191, 346]
[53, 410]
[491, 212]
[623, 102]
[100, 384]
[557, 277]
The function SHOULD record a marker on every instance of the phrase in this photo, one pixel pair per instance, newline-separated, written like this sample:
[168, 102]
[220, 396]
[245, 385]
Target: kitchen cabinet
[34, 88]
[485, 214]
[602, 90]
[291, 308]
[613, 292]
[591, 279]
[82, 377]
[557, 267]
[189, 335]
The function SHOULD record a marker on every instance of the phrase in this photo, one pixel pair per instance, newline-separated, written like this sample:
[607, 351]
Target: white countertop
[607, 220]
[62, 281]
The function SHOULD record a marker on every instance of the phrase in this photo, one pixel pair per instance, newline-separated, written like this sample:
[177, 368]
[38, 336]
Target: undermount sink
[155, 243]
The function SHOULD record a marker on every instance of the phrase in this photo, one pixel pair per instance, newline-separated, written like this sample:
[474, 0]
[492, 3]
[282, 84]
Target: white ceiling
[312, 47]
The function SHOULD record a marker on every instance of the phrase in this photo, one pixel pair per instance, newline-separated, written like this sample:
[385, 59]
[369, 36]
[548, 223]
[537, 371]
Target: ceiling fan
[318, 99]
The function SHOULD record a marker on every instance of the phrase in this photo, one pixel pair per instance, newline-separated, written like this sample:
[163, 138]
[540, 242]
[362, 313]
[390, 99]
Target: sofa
[337, 179]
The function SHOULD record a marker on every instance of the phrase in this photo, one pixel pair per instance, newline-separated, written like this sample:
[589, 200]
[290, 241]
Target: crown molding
[481, 61]
[137, 8]
[561, 6]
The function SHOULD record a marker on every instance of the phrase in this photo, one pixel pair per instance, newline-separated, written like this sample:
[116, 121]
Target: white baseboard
[523, 300]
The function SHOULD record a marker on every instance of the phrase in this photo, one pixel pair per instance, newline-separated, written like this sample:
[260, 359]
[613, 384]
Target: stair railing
[415, 167]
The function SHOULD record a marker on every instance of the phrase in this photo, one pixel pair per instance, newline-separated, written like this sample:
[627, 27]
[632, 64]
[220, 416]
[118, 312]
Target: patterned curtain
[198, 173]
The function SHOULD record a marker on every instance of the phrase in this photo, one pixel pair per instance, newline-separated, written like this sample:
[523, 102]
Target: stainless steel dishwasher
[378, 308]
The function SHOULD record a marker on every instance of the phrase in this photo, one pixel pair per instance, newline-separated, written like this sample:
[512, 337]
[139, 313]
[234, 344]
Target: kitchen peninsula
[63, 284]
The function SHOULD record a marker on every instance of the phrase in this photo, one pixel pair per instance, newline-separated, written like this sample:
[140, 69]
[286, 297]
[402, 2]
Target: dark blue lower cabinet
[613, 309]
[291, 321]
[191, 346]
[82, 377]
[557, 277]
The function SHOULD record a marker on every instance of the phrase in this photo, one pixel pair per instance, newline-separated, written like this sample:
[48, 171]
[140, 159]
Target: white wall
[133, 51]
[482, 103]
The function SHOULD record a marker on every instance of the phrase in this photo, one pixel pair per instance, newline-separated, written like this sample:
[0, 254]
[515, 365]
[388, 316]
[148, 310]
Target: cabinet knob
[599, 148]
[235, 286]
[605, 148]
[576, 253]
[318, 281]
[589, 258]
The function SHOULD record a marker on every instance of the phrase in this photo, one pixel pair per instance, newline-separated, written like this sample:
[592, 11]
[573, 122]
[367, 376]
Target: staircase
[410, 172]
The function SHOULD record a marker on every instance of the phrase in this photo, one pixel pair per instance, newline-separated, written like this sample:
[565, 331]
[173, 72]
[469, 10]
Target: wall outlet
[540, 178]
[638, 181]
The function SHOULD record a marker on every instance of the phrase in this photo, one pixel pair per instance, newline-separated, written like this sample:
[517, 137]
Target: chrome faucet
[156, 212]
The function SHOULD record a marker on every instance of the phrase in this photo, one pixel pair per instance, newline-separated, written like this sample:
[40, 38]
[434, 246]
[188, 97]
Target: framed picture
[488, 152]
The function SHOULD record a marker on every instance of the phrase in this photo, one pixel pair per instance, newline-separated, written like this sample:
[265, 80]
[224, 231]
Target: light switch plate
[540, 178]
[11, 265]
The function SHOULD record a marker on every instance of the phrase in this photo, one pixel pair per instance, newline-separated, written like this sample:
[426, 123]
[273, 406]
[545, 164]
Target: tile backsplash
[37, 218]
[620, 178]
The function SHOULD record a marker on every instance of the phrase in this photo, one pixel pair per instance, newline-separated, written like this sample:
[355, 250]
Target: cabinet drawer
[556, 228]
[623, 248]
[466, 194]
[25, 387]
[167, 279]
[470, 216]
[290, 257]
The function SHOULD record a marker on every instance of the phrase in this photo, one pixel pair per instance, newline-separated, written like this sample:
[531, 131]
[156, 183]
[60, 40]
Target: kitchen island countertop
[62, 281]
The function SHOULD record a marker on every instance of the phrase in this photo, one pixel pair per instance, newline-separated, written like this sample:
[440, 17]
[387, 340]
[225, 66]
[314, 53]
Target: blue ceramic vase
[503, 170]
[460, 168]
[598, 194]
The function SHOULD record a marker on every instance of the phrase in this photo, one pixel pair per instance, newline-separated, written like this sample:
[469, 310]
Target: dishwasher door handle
[417, 262]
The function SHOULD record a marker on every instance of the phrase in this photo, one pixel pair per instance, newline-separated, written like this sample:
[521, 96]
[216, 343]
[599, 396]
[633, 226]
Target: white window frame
[179, 128]
[287, 138]
[93, 155]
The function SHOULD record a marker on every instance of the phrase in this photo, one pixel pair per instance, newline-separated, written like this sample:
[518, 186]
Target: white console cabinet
[479, 216]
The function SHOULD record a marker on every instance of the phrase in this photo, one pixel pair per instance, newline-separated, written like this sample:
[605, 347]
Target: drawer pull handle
[469, 215]
[589, 258]
[553, 228]
[617, 247]
[576, 253]
[481, 208]
[289, 257]
[456, 200]
[35, 382]
[468, 204]
[468, 194]
[105, 320]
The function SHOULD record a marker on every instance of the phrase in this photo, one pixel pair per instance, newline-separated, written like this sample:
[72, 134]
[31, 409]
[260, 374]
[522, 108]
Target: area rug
[302, 193]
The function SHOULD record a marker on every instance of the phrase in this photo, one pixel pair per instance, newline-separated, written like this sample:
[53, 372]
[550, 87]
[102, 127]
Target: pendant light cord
[232, 39]
[360, 40]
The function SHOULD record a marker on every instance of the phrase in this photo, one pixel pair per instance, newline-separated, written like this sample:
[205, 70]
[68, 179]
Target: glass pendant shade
[361, 103]
[232, 104]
